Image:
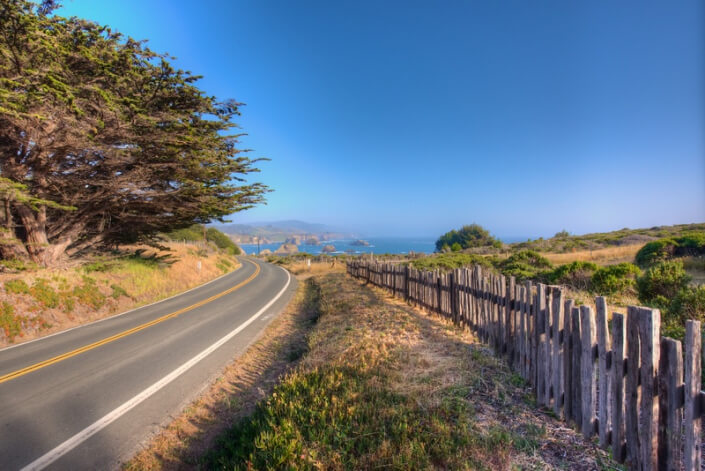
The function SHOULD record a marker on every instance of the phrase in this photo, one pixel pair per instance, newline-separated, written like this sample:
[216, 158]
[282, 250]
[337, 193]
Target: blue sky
[411, 118]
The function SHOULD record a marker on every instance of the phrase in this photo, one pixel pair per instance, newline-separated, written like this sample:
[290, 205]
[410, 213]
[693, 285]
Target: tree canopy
[466, 237]
[105, 139]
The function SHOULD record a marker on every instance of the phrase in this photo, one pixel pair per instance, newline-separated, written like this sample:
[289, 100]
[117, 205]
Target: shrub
[10, 324]
[468, 237]
[691, 243]
[661, 282]
[689, 303]
[449, 261]
[118, 291]
[655, 251]
[89, 294]
[614, 279]
[525, 264]
[576, 274]
[44, 294]
[456, 247]
[16, 287]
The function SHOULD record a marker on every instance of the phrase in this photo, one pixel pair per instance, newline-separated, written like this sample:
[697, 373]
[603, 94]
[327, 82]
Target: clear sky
[411, 118]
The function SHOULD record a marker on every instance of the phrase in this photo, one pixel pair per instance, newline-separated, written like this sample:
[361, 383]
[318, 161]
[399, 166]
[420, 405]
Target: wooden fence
[620, 380]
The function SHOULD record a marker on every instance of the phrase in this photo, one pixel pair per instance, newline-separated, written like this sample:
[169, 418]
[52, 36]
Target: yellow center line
[78, 351]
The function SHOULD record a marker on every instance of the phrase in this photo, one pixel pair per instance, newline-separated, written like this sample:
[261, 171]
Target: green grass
[10, 323]
[340, 416]
[16, 287]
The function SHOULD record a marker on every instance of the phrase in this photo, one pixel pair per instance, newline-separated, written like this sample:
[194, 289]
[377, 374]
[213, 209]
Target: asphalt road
[78, 401]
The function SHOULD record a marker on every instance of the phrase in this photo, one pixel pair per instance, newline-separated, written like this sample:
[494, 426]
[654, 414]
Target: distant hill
[279, 231]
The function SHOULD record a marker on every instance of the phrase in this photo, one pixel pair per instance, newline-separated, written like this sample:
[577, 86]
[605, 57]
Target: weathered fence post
[693, 422]
[631, 412]
[617, 387]
[577, 378]
[649, 333]
[603, 376]
[558, 350]
[670, 420]
[587, 370]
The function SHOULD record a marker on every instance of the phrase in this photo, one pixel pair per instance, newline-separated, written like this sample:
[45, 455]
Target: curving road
[87, 397]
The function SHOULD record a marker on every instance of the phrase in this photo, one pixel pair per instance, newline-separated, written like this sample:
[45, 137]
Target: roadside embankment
[36, 302]
[383, 385]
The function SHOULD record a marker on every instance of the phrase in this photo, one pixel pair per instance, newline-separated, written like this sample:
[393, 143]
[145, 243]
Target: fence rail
[638, 392]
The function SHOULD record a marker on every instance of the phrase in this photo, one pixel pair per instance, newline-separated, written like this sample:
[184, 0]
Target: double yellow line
[78, 351]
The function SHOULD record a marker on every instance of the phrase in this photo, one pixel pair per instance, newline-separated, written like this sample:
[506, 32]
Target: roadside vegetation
[666, 273]
[35, 301]
[382, 385]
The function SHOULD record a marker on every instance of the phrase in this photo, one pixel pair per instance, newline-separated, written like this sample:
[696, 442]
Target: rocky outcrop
[328, 248]
[360, 243]
[286, 249]
[313, 240]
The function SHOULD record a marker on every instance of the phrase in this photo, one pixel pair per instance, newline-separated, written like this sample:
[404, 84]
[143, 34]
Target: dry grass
[390, 366]
[606, 256]
[76, 294]
[303, 270]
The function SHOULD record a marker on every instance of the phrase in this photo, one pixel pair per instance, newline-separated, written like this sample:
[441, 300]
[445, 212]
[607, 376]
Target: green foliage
[656, 251]
[614, 279]
[689, 303]
[89, 294]
[10, 323]
[16, 287]
[45, 294]
[18, 264]
[689, 243]
[562, 234]
[449, 261]
[467, 237]
[143, 149]
[118, 291]
[456, 247]
[222, 241]
[575, 274]
[524, 265]
[661, 282]
[193, 233]
[337, 415]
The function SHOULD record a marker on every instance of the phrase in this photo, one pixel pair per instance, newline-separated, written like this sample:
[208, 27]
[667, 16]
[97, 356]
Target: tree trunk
[10, 246]
[37, 243]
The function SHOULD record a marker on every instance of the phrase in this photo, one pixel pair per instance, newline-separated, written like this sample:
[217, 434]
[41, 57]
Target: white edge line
[60, 450]
[120, 314]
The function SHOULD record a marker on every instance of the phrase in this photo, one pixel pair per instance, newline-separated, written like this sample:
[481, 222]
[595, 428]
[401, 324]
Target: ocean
[378, 245]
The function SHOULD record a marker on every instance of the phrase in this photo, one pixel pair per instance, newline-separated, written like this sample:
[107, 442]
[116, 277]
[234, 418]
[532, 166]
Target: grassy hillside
[36, 301]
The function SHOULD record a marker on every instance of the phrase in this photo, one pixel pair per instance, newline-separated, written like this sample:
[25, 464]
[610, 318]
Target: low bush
[613, 279]
[577, 275]
[524, 265]
[89, 294]
[44, 294]
[10, 323]
[449, 261]
[16, 287]
[661, 282]
[690, 243]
